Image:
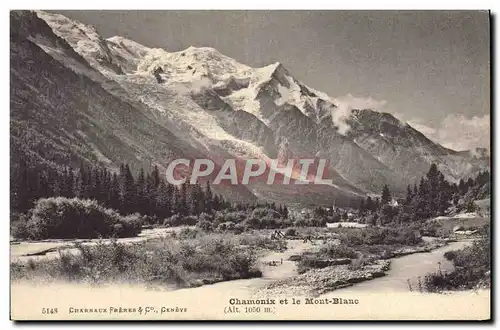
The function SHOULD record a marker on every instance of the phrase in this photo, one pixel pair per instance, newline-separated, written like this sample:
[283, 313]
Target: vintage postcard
[250, 165]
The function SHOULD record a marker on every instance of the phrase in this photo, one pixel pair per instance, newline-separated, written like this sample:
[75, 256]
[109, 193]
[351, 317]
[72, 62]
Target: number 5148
[49, 310]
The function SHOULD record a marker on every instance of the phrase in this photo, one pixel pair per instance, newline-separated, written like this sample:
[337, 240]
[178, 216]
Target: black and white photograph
[250, 165]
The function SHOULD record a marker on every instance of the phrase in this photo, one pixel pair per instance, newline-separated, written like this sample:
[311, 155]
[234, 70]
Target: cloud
[457, 132]
[201, 84]
[345, 105]
[422, 128]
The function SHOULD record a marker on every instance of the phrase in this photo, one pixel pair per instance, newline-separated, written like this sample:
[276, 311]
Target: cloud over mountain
[345, 105]
[458, 132]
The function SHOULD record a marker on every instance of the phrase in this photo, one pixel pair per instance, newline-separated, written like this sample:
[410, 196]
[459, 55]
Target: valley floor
[386, 287]
[386, 297]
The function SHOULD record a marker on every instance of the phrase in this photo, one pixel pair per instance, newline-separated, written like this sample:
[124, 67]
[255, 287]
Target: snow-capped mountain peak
[84, 39]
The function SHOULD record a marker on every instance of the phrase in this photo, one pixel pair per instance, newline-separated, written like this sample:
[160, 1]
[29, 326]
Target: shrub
[472, 268]
[336, 217]
[19, 226]
[471, 207]
[208, 259]
[204, 225]
[450, 255]
[130, 225]
[239, 228]
[76, 218]
[180, 220]
[380, 236]
[291, 232]
[337, 251]
[261, 218]
[306, 263]
[225, 216]
[263, 242]
[205, 217]
[188, 233]
[226, 226]
[359, 263]
[172, 221]
[310, 221]
[189, 220]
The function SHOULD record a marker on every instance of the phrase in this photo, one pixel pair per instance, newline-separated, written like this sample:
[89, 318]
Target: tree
[386, 195]
[142, 193]
[444, 195]
[285, 212]
[433, 187]
[409, 195]
[370, 206]
[82, 183]
[362, 207]
[114, 192]
[386, 214]
[471, 207]
[128, 191]
[422, 207]
[155, 175]
[163, 202]
[196, 199]
[462, 187]
[208, 198]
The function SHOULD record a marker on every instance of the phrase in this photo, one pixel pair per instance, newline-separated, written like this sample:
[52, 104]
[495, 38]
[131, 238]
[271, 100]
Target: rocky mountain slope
[407, 151]
[114, 100]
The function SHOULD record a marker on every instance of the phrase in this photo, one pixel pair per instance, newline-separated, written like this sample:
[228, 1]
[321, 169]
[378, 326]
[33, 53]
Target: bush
[173, 221]
[19, 226]
[226, 226]
[336, 217]
[472, 268]
[337, 251]
[76, 218]
[187, 263]
[291, 232]
[359, 263]
[226, 216]
[205, 217]
[310, 221]
[239, 228]
[380, 236]
[309, 262]
[450, 255]
[188, 233]
[189, 220]
[323, 258]
[180, 220]
[205, 225]
[264, 218]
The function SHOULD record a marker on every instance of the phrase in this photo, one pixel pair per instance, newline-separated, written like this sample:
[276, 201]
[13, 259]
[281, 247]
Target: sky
[429, 68]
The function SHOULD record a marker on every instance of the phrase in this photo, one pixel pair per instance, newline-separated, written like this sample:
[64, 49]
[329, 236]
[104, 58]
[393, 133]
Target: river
[403, 268]
[409, 267]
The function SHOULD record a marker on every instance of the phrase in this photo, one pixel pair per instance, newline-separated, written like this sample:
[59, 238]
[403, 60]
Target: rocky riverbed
[319, 281]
